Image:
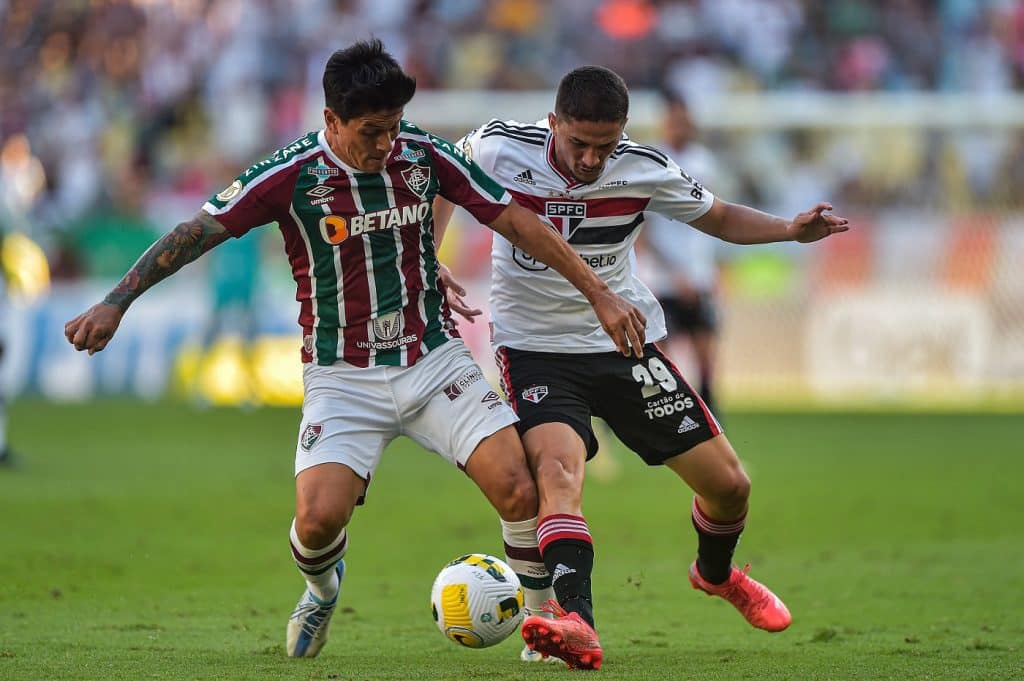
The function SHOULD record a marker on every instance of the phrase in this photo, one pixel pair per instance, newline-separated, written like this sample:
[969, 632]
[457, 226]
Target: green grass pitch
[149, 542]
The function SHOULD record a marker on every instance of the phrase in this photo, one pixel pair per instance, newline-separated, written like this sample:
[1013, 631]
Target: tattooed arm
[94, 328]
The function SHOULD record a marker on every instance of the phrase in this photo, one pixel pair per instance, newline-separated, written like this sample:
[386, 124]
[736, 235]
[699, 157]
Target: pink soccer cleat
[754, 600]
[566, 637]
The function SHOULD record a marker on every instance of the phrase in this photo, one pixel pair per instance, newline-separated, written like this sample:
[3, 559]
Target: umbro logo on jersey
[536, 393]
[491, 399]
[320, 191]
[320, 194]
[525, 177]
[686, 425]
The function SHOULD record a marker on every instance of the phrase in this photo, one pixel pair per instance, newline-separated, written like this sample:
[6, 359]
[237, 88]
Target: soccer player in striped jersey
[592, 185]
[381, 354]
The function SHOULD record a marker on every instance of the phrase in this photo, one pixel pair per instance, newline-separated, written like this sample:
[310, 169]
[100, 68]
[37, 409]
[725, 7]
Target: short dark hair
[363, 78]
[592, 93]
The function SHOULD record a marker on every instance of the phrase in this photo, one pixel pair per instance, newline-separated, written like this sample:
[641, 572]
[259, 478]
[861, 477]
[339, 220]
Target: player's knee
[554, 473]
[318, 526]
[735, 490]
[518, 500]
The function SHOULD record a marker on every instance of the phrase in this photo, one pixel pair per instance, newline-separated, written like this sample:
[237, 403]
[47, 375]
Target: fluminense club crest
[310, 435]
[417, 179]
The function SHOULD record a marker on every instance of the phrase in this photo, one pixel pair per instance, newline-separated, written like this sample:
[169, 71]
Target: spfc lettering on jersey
[417, 179]
[566, 216]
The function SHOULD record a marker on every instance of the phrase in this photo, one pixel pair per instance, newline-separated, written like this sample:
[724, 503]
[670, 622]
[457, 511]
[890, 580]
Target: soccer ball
[477, 600]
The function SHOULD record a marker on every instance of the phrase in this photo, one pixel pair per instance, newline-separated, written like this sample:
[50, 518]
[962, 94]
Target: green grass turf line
[149, 542]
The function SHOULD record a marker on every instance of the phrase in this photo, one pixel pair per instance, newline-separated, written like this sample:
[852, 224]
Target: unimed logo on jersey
[566, 216]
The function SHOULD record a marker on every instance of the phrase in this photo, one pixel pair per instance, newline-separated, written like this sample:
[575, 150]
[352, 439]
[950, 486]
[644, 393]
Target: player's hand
[815, 224]
[623, 322]
[94, 328]
[455, 292]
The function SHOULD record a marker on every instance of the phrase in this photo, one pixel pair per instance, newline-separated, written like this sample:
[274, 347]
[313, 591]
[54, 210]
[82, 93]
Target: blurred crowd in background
[115, 114]
[118, 118]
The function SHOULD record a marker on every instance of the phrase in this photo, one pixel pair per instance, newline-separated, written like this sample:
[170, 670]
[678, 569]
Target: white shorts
[443, 402]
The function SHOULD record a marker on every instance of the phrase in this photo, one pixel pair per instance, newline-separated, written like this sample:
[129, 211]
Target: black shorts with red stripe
[646, 402]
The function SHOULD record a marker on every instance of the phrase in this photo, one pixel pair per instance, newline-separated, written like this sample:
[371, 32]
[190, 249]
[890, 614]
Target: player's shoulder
[513, 132]
[286, 155]
[640, 154]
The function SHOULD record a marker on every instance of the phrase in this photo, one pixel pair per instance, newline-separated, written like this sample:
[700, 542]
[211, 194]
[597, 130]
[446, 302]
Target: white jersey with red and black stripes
[534, 307]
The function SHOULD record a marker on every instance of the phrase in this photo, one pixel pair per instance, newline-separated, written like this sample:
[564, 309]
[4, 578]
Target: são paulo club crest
[417, 179]
[310, 435]
[536, 393]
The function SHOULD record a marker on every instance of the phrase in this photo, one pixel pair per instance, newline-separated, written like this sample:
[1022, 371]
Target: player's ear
[331, 119]
[552, 120]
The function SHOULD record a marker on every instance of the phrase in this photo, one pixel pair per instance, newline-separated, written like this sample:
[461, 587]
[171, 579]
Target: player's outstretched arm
[94, 328]
[625, 324]
[740, 224]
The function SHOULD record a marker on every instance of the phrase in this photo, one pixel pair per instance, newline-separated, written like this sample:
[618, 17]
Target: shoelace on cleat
[738, 594]
[310, 616]
[552, 607]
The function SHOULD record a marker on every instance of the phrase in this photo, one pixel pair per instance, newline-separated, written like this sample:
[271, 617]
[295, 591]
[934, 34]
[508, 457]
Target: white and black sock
[523, 556]
[317, 565]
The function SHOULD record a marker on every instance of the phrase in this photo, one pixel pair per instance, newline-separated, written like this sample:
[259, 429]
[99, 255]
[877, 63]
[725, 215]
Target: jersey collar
[335, 159]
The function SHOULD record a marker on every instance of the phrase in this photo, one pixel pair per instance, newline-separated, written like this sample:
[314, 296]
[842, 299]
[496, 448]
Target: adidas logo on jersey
[686, 425]
[561, 570]
[525, 177]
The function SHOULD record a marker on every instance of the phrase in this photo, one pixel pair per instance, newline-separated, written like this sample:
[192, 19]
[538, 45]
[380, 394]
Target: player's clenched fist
[94, 328]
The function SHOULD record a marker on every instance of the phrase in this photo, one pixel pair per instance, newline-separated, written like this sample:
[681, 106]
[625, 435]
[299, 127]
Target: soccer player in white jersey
[682, 263]
[592, 185]
[381, 354]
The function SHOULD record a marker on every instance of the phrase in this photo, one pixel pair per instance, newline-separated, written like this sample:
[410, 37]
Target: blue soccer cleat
[308, 624]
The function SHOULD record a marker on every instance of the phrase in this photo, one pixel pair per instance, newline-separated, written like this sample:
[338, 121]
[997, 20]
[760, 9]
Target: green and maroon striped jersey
[361, 245]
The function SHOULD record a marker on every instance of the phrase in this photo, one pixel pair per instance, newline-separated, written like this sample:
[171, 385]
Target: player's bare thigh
[325, 496]
[715, 473]
[557, 457]
[498, 467]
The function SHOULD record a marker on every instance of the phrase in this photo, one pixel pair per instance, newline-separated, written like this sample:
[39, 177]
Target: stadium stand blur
[118, 119]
